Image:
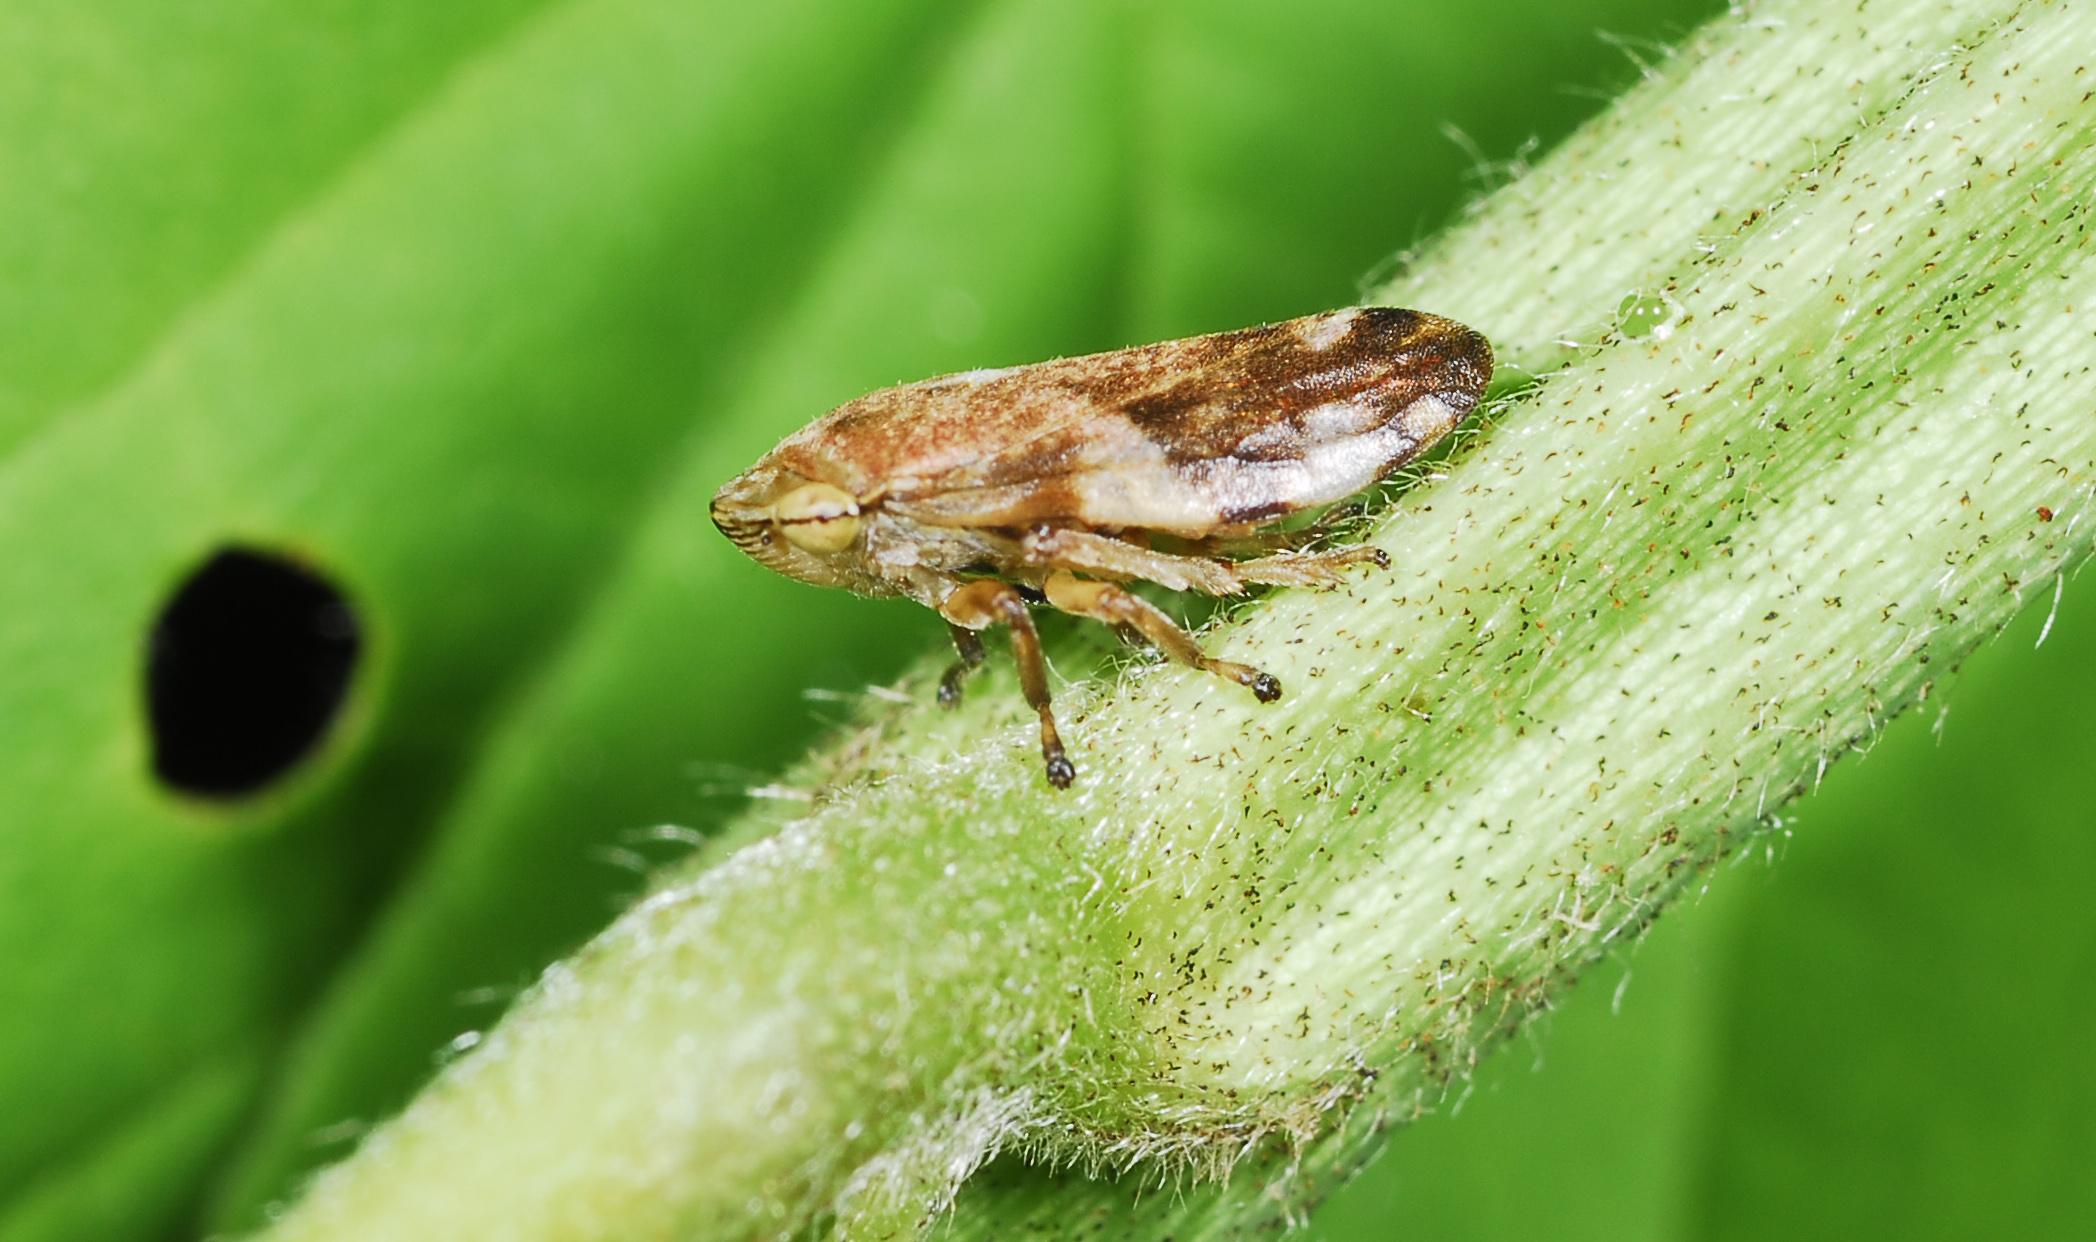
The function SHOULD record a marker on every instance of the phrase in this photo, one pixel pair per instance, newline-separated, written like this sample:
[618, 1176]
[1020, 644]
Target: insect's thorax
[921, 561]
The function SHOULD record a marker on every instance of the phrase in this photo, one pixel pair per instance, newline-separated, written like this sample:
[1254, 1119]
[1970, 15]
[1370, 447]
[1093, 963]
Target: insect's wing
[1183, 437]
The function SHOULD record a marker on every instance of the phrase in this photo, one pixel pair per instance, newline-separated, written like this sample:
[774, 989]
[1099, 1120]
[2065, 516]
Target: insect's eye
[817, 517]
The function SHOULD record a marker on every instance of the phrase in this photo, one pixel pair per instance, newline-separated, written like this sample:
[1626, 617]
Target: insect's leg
[1326, 568]
[1103, 556]
[1249, 541]
[986, 602]
[969, 644]
[1103, 601]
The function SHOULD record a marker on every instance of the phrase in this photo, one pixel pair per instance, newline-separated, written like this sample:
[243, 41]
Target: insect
[979, 493]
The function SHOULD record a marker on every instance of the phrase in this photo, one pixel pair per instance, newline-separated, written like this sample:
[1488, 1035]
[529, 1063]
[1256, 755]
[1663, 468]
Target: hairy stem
[1810, 407]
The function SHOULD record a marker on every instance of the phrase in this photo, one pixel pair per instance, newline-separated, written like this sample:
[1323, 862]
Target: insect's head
[800, 527]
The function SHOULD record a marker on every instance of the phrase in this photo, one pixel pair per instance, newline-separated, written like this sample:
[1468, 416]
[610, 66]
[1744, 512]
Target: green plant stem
[1813, 409]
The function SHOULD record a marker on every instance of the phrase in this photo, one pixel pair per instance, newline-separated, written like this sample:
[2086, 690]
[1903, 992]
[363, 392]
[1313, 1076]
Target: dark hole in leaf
[246, 668]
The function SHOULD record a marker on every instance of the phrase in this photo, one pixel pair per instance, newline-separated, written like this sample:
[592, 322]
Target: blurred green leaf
[151, 148]
[145, 1175]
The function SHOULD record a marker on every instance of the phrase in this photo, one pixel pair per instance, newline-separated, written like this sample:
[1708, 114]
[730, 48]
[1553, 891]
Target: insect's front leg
[969, 644]
[1103, 601]
[986, 602]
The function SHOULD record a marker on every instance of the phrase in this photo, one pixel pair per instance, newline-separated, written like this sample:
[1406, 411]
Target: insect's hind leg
[987, 602]
[1103, 601]
[1103, 556]
[1312, 569]
[1252, 540]
[969, 644]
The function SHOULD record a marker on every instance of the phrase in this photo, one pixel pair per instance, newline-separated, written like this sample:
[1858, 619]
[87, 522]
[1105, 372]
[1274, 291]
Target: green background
[473, 304]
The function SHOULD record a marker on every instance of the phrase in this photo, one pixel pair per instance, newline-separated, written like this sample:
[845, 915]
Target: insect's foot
[1264, 686]
[950, 686]
[1059, 769]
[1339, 560]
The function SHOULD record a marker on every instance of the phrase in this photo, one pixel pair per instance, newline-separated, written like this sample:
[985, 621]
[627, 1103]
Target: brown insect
[976, 493]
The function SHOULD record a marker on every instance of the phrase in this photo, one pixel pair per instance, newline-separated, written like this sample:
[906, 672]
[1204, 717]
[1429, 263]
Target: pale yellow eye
[817, 517]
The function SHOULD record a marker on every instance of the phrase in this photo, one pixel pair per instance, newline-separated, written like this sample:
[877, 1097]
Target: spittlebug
[976, 493]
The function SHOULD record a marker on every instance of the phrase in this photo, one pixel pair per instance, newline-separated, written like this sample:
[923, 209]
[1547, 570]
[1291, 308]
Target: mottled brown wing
[1182, 437]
